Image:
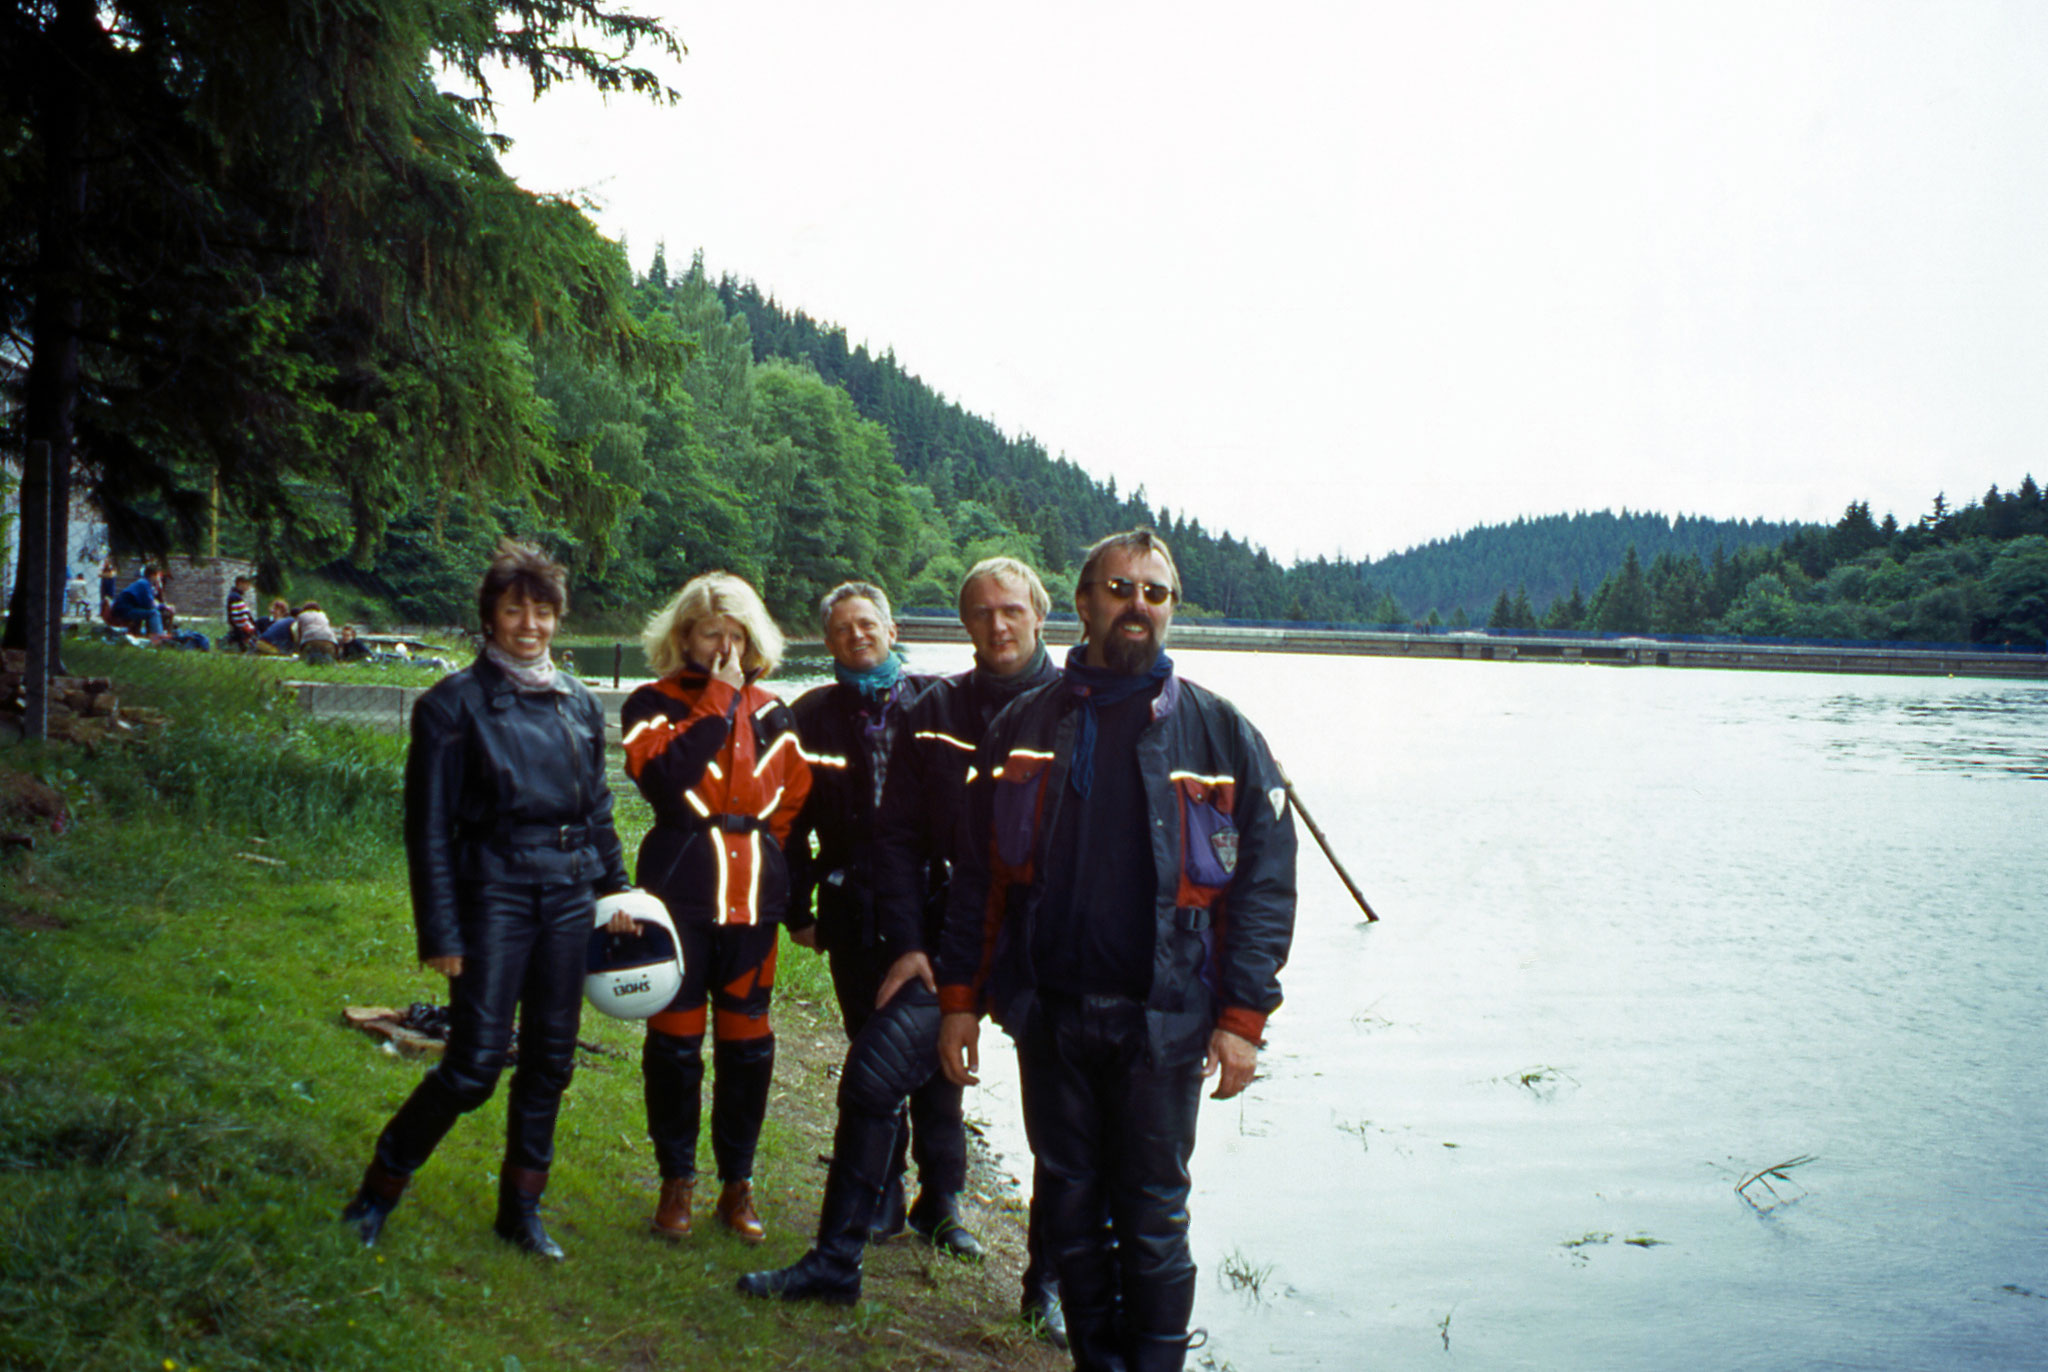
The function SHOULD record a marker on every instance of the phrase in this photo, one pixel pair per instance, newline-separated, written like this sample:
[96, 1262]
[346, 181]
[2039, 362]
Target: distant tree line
[1978, 574]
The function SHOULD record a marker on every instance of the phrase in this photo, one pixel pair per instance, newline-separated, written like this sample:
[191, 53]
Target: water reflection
[1974, 730]
[1645, 935]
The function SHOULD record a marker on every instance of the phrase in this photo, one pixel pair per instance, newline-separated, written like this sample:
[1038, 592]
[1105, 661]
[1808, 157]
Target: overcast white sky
[1346, 277]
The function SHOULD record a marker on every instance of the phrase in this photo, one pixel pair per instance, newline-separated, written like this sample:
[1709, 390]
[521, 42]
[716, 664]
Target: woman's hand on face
[727, 669]
[450, 968]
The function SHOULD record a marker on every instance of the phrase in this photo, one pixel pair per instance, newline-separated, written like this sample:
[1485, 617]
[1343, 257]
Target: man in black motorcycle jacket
[1123, 910]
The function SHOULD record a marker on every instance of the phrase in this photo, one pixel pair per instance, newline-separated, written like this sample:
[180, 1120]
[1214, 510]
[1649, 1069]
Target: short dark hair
[1136, 541]
[525, 568]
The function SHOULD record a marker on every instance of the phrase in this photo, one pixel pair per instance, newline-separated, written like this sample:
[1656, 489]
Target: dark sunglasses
[1122, 588]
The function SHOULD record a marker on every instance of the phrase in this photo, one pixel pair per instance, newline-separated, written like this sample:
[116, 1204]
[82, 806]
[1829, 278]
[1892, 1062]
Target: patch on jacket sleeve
[1278, 795]
[1224, 844]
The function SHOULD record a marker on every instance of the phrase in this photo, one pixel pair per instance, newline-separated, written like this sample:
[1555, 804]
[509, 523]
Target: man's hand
[911, 965]
[621, 923]
[960, 1047]
[1236, 1055]
[806, 937]
[450, 968]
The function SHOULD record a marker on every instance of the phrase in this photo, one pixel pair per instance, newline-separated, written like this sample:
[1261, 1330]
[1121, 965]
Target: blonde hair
[702, 598]
[1018, 576]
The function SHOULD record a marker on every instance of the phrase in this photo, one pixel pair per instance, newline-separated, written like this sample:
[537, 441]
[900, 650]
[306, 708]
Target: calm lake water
[1645, 933]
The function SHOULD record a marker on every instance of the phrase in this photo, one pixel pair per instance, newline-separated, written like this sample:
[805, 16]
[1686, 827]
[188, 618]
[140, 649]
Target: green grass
[182, 1113]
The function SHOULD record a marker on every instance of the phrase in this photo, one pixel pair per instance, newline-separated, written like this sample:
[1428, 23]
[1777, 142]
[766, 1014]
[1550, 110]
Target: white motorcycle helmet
[632, 976]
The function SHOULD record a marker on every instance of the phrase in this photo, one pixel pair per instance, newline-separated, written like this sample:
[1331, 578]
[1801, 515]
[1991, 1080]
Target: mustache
[1132, 617]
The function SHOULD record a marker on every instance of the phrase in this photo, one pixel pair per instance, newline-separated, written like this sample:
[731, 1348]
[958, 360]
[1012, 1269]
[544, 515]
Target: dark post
[618, 657]
[33, 567]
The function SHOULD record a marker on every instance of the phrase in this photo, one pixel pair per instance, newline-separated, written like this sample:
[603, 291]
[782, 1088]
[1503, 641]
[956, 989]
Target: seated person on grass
[141, 609]
[280, 635]
[316, 635]
[241, 619]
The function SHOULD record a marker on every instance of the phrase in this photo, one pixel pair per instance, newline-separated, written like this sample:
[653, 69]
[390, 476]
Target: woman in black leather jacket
[509, 840]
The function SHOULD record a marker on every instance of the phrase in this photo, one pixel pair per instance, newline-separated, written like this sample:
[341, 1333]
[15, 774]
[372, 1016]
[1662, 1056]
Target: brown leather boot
[672, 1212]
[736, 1211]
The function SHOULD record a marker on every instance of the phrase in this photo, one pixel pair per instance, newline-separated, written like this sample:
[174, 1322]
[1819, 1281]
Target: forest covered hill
[258, 302]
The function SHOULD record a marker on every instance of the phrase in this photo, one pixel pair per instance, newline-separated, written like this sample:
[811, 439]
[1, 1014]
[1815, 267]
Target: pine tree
[1502, 616]
[1625, 607]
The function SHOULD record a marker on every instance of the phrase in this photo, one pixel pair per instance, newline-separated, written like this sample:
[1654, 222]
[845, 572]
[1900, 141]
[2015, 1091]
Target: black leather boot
[375, 1199]
[936, 1220]
[1095, 1332]
[1040, 1307]
[830, 1272]
[1158, 1353]
[672, 1074]
[518, 1223]
[891, 1216]
[742, 1074]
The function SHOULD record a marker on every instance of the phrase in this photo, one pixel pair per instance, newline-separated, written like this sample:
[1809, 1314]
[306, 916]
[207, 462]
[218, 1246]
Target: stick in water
[1324, 843]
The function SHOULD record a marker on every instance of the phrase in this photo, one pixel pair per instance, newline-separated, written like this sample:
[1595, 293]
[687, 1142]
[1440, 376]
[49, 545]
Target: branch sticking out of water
[1763, 1176]
[1542, 1081]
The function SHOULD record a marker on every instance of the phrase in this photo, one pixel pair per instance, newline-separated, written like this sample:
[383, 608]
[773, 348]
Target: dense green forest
[1978, 574]
[1547, 556]
[265, 288]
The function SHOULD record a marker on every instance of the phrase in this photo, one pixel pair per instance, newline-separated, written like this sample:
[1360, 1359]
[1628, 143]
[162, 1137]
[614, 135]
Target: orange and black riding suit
[723, 771]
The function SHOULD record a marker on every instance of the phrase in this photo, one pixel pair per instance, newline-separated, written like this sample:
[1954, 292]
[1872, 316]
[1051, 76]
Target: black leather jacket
[503, 788]
[925, 802]
[849, 754]
[1223, 850]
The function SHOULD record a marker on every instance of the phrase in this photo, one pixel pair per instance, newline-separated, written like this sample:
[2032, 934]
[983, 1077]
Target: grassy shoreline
[182, 1112]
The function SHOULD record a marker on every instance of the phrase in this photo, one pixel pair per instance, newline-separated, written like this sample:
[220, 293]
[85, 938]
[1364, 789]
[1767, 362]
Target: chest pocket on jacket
[1208, 836]
[1020, 793]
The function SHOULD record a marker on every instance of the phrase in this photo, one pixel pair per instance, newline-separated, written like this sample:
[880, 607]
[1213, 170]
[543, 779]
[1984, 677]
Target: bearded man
[1122, 905]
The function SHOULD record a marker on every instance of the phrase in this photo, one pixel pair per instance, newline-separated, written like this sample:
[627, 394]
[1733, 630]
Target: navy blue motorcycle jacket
[1222, 849]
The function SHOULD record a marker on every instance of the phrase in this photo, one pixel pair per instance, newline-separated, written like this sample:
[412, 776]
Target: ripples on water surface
[1645, 932]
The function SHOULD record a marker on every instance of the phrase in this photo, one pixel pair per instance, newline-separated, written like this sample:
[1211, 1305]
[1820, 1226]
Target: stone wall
[199, 585]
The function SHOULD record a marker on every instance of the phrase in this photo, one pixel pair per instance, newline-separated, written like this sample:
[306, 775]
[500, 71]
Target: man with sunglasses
[1122, 905]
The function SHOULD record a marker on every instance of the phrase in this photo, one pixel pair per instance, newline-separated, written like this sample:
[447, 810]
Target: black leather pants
[897, 1050]
[895, 1054]
[938, 1127]
[1112, 1132]
[523, 953]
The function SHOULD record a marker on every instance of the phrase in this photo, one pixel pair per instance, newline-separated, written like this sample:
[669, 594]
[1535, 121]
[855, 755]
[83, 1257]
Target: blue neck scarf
[875, 683]
[1096, 687]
